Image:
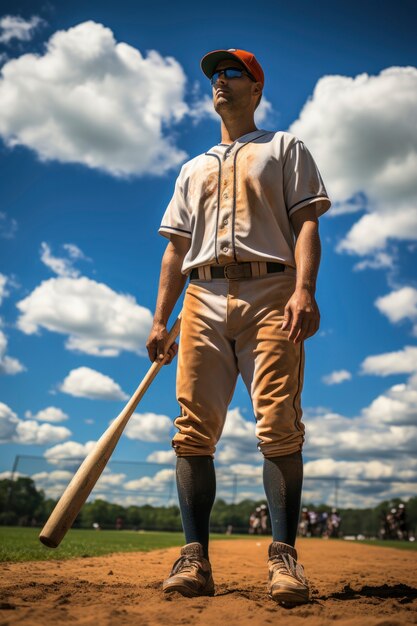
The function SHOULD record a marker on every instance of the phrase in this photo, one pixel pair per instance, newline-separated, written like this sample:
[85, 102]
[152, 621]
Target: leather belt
[237, 271]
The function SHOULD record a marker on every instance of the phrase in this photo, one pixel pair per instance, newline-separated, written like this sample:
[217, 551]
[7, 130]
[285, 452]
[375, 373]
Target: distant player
[243, 226]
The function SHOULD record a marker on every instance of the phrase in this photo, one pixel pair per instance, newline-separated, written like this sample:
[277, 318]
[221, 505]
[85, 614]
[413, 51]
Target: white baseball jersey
[235, 201]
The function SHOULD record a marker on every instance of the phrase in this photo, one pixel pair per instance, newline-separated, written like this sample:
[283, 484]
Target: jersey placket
[225, 218]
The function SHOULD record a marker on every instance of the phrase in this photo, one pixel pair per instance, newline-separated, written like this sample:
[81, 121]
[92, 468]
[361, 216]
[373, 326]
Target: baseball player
[243, 226]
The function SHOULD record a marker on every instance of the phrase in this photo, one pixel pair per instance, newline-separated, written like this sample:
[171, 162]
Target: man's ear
[257, 90]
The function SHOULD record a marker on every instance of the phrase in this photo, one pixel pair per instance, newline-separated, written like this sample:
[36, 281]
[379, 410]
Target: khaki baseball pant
[230, 327]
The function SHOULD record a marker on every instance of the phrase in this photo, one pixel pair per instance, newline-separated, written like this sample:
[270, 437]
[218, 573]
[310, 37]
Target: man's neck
[233, 129]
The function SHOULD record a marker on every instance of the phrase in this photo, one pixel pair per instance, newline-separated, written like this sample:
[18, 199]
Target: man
[243, 224]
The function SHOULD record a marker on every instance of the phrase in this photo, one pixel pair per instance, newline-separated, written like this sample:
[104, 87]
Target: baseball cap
[248, 59]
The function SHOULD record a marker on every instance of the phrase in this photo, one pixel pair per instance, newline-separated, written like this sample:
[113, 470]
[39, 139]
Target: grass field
[22, 544]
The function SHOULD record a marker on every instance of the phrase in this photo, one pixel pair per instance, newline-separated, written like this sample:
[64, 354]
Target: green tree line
[23, 505]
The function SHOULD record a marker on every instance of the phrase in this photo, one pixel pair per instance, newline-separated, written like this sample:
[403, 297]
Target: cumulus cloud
[52, 483]
[16, 27]
[380, 260]
[8, 364]
[238, 439]
[49, 414]
[98, 320]
[359, 437]
[363, 135]
[8, 225]
[385, 429]
[162, 456]
[399, 305]
[148, 427]
[60, 265]
[397, 405]
[89, 99]
[85, 382]
[365, 483]
[337, 377]
[68, 451]
[157, 483]
[15, 430]
[3, 289]
[399, 362]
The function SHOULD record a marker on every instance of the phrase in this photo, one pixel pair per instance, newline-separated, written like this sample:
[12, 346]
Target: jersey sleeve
[176, 219]
[303, 184]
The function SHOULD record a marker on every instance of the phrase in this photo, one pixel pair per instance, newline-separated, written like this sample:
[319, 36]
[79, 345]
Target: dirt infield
[352, 584]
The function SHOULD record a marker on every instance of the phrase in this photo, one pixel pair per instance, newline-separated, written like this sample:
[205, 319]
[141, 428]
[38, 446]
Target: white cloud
[94, 101]
[364, 483]
[8, 226]
[385, 429]
[3, 290]
[60, 266]
[400, 362]
[397, 405]
[8, 474]
[238, 439]
[55, 482]
[162, 456]
[8, 423]
[330, 467]
[380, 260]
[52, 483]
[156, 483]
[8, 364]
[399, 305]
[351, 205]
[337, 377]
[363, 135]
[373, 230]
[49, 414]
[98, 320]
[85, 382]
[16, 27]
[109, 479]
[74, 251]
[52, 477]
[148, 427]
[68, 451]
[13, 429]
[359, 437]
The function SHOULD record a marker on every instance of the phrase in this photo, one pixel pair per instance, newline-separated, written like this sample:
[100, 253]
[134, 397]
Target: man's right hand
[156, 344]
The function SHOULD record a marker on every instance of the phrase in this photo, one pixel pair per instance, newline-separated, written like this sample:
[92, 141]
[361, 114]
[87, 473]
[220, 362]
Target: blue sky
[100, 106]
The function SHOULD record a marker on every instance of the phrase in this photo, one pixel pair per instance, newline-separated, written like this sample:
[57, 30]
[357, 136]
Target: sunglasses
[229, 72]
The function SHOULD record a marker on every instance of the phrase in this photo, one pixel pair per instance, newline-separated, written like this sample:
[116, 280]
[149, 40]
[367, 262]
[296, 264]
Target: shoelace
[287, 565]
[185, 564]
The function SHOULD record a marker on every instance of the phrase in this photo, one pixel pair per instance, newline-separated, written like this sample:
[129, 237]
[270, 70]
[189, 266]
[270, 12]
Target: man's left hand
[301, 315]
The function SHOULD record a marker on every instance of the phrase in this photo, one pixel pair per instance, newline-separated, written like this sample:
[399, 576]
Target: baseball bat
[83, 481]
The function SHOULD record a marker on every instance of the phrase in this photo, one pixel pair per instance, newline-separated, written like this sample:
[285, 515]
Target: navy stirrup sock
[196, 484]
[283, 481]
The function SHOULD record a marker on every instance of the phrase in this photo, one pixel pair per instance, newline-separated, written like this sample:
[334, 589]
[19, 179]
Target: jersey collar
[224, 147]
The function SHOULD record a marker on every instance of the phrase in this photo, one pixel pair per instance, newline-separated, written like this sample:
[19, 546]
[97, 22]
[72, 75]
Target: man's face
[233, 93]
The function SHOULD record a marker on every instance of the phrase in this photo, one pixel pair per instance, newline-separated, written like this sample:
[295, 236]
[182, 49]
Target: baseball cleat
[287, 582]
[191, 574]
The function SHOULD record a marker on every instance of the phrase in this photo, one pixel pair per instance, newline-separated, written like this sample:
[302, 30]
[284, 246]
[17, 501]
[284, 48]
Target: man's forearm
[171, 284]
[307, 256]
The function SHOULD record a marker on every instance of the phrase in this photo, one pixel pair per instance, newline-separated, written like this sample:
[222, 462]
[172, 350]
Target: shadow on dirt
[404, 593]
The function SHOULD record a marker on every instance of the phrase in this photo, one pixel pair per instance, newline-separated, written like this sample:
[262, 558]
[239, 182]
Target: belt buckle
[234, 271]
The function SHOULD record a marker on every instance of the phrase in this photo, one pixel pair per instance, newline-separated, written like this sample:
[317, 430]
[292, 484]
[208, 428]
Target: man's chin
[221, 103]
